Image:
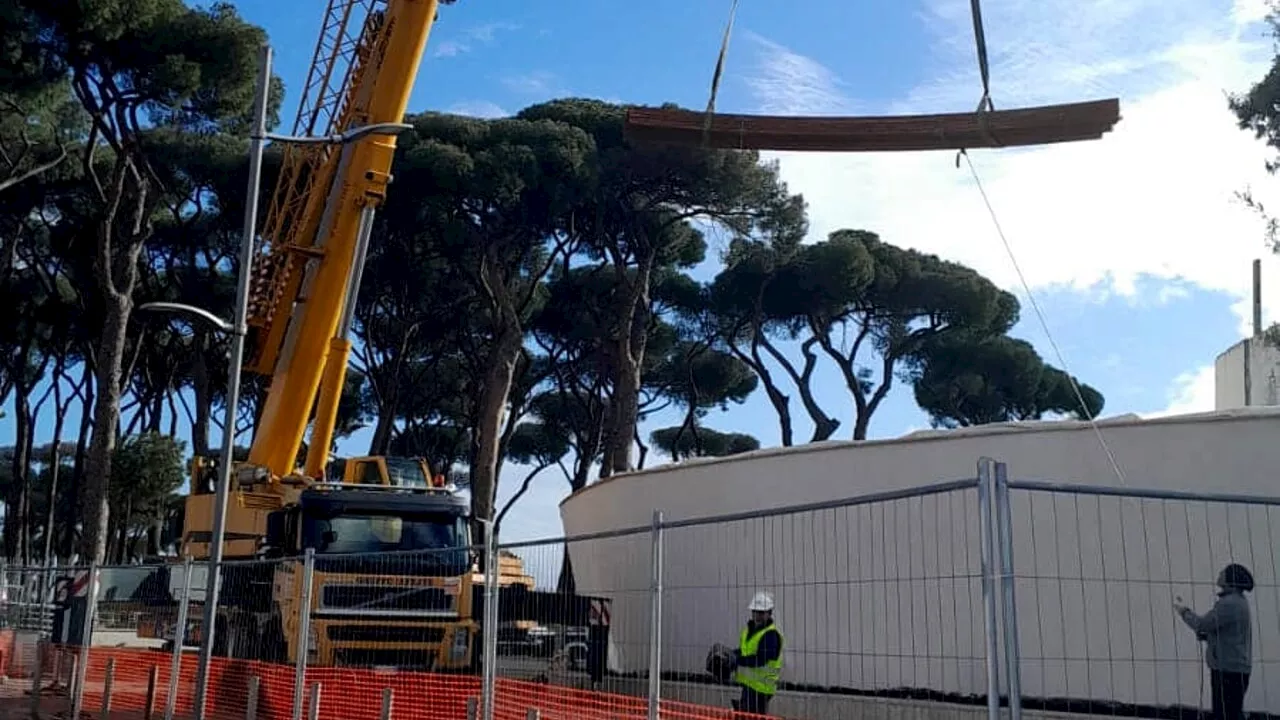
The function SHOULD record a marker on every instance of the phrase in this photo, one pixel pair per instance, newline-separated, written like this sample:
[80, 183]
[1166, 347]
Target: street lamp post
[238, 330]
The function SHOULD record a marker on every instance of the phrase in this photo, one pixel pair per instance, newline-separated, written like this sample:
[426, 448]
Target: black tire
[245, 638]
[477, 654]
[273, 642]
[547, 648]
[221, 640]
[577, 657]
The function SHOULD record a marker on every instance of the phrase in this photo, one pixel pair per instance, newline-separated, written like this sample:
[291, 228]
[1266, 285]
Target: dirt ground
[15, 703]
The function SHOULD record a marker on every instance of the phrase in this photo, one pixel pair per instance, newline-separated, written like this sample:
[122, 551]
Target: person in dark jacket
[758, 658]
[1228, 634]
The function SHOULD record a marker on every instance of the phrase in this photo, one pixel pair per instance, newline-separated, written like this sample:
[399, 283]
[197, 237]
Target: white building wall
[888, 595]
[1247, 375]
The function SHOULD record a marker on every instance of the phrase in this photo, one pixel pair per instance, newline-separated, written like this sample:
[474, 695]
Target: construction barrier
[133, 678]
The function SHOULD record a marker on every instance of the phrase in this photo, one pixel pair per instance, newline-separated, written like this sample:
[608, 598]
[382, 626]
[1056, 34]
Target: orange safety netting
[345, 693]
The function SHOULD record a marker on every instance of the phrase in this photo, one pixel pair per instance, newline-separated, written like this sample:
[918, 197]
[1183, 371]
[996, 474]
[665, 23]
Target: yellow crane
[304, 293]
[340, 524]
[307, 270]
[364, 609]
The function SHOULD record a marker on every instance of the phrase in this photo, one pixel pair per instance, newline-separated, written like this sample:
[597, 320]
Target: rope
[980, 37]
[985, 104]
[1044, 324]
[715, 77]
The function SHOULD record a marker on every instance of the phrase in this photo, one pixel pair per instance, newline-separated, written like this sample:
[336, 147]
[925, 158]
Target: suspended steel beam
[955, 131]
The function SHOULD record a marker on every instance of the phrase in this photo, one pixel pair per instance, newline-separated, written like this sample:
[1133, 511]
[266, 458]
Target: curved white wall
[888, 594]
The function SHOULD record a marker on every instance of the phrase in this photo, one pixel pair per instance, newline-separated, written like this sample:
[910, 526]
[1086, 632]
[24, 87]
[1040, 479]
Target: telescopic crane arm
[318, 224]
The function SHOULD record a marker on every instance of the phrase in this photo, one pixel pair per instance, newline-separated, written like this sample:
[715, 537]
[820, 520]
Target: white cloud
[1246, 11]
[1155, 198]
[450, 48]
[538, 82]
[469, 38]
[1191, 392]
[477, 108]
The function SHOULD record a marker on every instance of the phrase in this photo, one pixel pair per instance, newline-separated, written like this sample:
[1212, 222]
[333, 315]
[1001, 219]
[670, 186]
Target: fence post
[533, 714]
[313, 708]
[386, 704]
[81, 667]
[106, 688]
[304, 633]
[472, 708]
[986, 482]
[57, 665]
[153, 685]
[75, 671]
[37, 677]
[251, 707]
[655, 619]
[47, 602]
[489, 632]
[1012, 650]
[179, 639]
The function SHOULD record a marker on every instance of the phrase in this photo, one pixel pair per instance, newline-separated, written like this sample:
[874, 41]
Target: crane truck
[418, 603]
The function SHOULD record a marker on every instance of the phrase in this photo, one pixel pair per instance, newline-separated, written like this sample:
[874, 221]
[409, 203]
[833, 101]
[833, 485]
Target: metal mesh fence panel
[882, 597]
[889, 605]
[401, 610]
[574, 619]
[405, 621]
[1097, 574]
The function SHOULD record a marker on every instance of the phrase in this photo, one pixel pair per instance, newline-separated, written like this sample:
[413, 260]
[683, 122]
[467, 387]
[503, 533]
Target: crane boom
[305, 170]
[324, 198]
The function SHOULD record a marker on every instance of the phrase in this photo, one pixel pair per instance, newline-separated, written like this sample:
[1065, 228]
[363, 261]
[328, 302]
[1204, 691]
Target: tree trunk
[156, 419]
[28, 493]
[779, 400]
[55, 460]
[15, 526]
[866, 408]
[88, 395]
[109, 546]
[203, 398]
[644, 449]
[492, 403]
[381, 441]
[154, 531]
[824, 426]
[95, 511]
[625, 409]
[582, 465]
[629, 348]
[126, 551]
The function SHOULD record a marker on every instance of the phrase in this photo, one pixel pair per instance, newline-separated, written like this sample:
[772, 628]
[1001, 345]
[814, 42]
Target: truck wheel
[477, 654]
[221, 641]
[273, 643]
[577, 657]
[244, 636]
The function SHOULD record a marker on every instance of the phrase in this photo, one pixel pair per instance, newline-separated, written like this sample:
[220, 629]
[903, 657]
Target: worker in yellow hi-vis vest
[758, 658]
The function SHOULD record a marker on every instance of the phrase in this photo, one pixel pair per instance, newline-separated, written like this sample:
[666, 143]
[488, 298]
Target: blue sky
[1133, 246]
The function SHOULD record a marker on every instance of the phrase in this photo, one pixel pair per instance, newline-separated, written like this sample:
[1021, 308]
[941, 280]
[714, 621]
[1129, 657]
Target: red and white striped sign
[80, 583]
[74, 585]
[600, 612]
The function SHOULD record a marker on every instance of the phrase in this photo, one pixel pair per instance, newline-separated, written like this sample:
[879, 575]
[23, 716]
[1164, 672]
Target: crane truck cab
[392, 578]
[394, 581]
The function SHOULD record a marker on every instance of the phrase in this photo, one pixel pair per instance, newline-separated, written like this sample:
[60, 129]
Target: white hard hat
[762, 602]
